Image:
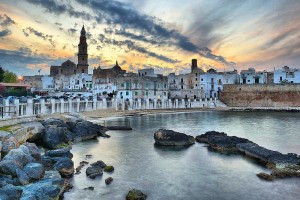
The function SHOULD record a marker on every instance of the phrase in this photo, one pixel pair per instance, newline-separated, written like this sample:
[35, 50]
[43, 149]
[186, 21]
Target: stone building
[69, 68]
[250, 76]
[287, 75]
[212, 82]
[35, 82]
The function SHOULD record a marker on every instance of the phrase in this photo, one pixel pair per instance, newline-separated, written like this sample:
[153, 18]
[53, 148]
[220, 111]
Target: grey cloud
[30, 30]
[58, 24]
[4, 33]
[6, 21]
[72, 31]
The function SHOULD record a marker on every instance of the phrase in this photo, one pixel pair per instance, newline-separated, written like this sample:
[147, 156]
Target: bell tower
[82, 66]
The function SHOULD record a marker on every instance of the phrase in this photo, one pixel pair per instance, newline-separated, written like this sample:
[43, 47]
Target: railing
[16, 109]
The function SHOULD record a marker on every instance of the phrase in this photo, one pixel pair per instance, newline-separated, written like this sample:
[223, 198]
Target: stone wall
[261, 95]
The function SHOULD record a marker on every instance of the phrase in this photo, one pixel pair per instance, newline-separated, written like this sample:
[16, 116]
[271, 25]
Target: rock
[135, 195]
[284, 160]
[204, 137]
[67, 185]
[65, 166]
[81, 165]
[5, 180]
[256, 151]
[226, 143]
[99, 163]
[109, 169]
[10, 192]
[89, 188]
[108, 180]
[54, 122]
[20, 155]
[9, 167]
[35, 171]
[85, 131]
[172, 138]
[65, 152]
[4, 135]
[33, 150]
[9, 144]
[52, 174]
[54, 136]
[265, 176]
[0, 149]
[27, 131]
[44, 189]
[93, 172]
[22, 176]
[88, 156]
[47, 162]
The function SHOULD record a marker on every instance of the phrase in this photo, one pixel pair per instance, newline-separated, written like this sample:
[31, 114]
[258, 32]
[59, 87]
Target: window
[165, 93]
[122, 85]
[182, 87]
[147, 93]
[136, 93]
[256, 80]
[74, 71]
[201, 79]
[147, 84]
[248, 80]
[280, 78]
[196, 74]
[196, 79]
[165, 85]
[82, 58]
[181, 80]
[127, 93]
[196, 85]
[82, 70]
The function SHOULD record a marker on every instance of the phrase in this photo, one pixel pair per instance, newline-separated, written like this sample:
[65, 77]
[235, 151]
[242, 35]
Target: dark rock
[5, 180]
[204, 137]
[265, 176]
[54, 122]
[35, 171]
[9, 144]
[81, 165]
[135, 195]
[172, 138]
[10, 192]
[20, 155]
[34, 150]
[65, 152]
[88, 156]
[65, 166]
[93, 172]
[108, 180]
[44, 189]
[99, 163]
[47, 162]
[67, 185]
[54, 137]
[109, 169]
[22, 176]
[89, 188]
[9, 167]
[226, 143]
[85, 131]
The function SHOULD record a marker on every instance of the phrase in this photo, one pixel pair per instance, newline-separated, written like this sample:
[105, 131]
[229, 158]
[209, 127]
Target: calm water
[194, 172]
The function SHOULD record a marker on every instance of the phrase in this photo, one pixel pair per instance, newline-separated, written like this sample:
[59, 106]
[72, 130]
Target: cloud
[30, 30]
[72, 31]
[6, 21]
[4, 33]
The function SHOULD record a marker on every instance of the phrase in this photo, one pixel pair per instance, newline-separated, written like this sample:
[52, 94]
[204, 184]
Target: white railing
[52, 106]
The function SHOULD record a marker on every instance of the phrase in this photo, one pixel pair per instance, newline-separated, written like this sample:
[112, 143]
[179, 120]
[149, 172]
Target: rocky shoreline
[281, 165]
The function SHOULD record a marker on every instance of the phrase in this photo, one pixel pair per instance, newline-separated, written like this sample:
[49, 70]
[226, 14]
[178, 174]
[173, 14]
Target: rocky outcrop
[99, 163]
[265, 176]
[135, 195]
[204, 137]
[8, 143]
[64, 152]
[171, 138]
[27, 131]
[86, 130]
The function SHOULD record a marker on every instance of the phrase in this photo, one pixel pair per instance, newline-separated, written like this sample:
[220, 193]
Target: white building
[47, 82]
[212, 82]
[287, 75]
[147, 72]
[250, 76]
[77, 82]
[102, 88]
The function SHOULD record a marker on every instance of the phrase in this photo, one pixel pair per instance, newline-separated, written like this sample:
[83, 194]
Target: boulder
[265, 176]
[108, 180]
[9, 144]
[33, 150]
[9, 167]
[171, 138]
[54, 137]
[85, 131]
[20, 155]
[109, 169]
[22, 176]
[65, 152]
[52, 174]
[65, 166]
[204, 137]
[54, 122]
[226, 143]
[5, 180]
[10, 192]
[93, 172]
[27, 131]
[44, 189]
[135, 195]
[47, 162]
[99, 163]
[4, 135]
[35, 171]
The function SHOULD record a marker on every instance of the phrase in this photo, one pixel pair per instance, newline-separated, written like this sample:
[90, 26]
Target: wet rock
[85, 131]
[65, 166]
[22, 176]
[99, 163]
[226, 143]
[88, 156]
[81, 165]
[10, 192]
[89, 188]
[93, 172]
[135, 195]
[171, 138]
[286, 172]
[35, 171]
[44, 189]
[265, 176]
[67, 185]
[109, 169]
[33, 150]
[9, 167]
[108, 180]
[204, 137]
[20, 155]
[65, 152]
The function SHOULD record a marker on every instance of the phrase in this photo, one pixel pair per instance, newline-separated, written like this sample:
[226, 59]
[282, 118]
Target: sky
[161, 34]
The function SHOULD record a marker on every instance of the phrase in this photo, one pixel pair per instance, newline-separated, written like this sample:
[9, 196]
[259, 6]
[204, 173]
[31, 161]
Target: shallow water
[194, 172]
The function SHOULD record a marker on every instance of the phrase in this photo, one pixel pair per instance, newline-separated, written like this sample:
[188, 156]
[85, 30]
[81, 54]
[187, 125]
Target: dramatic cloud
[5, 22]
[30, 30]
[5, 33]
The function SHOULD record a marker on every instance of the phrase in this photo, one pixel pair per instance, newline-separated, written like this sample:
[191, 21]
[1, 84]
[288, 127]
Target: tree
[1, 74]
[9, 77]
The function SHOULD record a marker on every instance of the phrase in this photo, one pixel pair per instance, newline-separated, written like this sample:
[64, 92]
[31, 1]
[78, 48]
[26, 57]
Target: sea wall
[261, 95]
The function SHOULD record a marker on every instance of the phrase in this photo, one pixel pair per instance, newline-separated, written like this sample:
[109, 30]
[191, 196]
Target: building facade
[287, 75]
[250, 76]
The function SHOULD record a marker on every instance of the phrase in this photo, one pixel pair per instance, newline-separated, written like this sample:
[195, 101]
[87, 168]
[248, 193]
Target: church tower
[82, 66]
